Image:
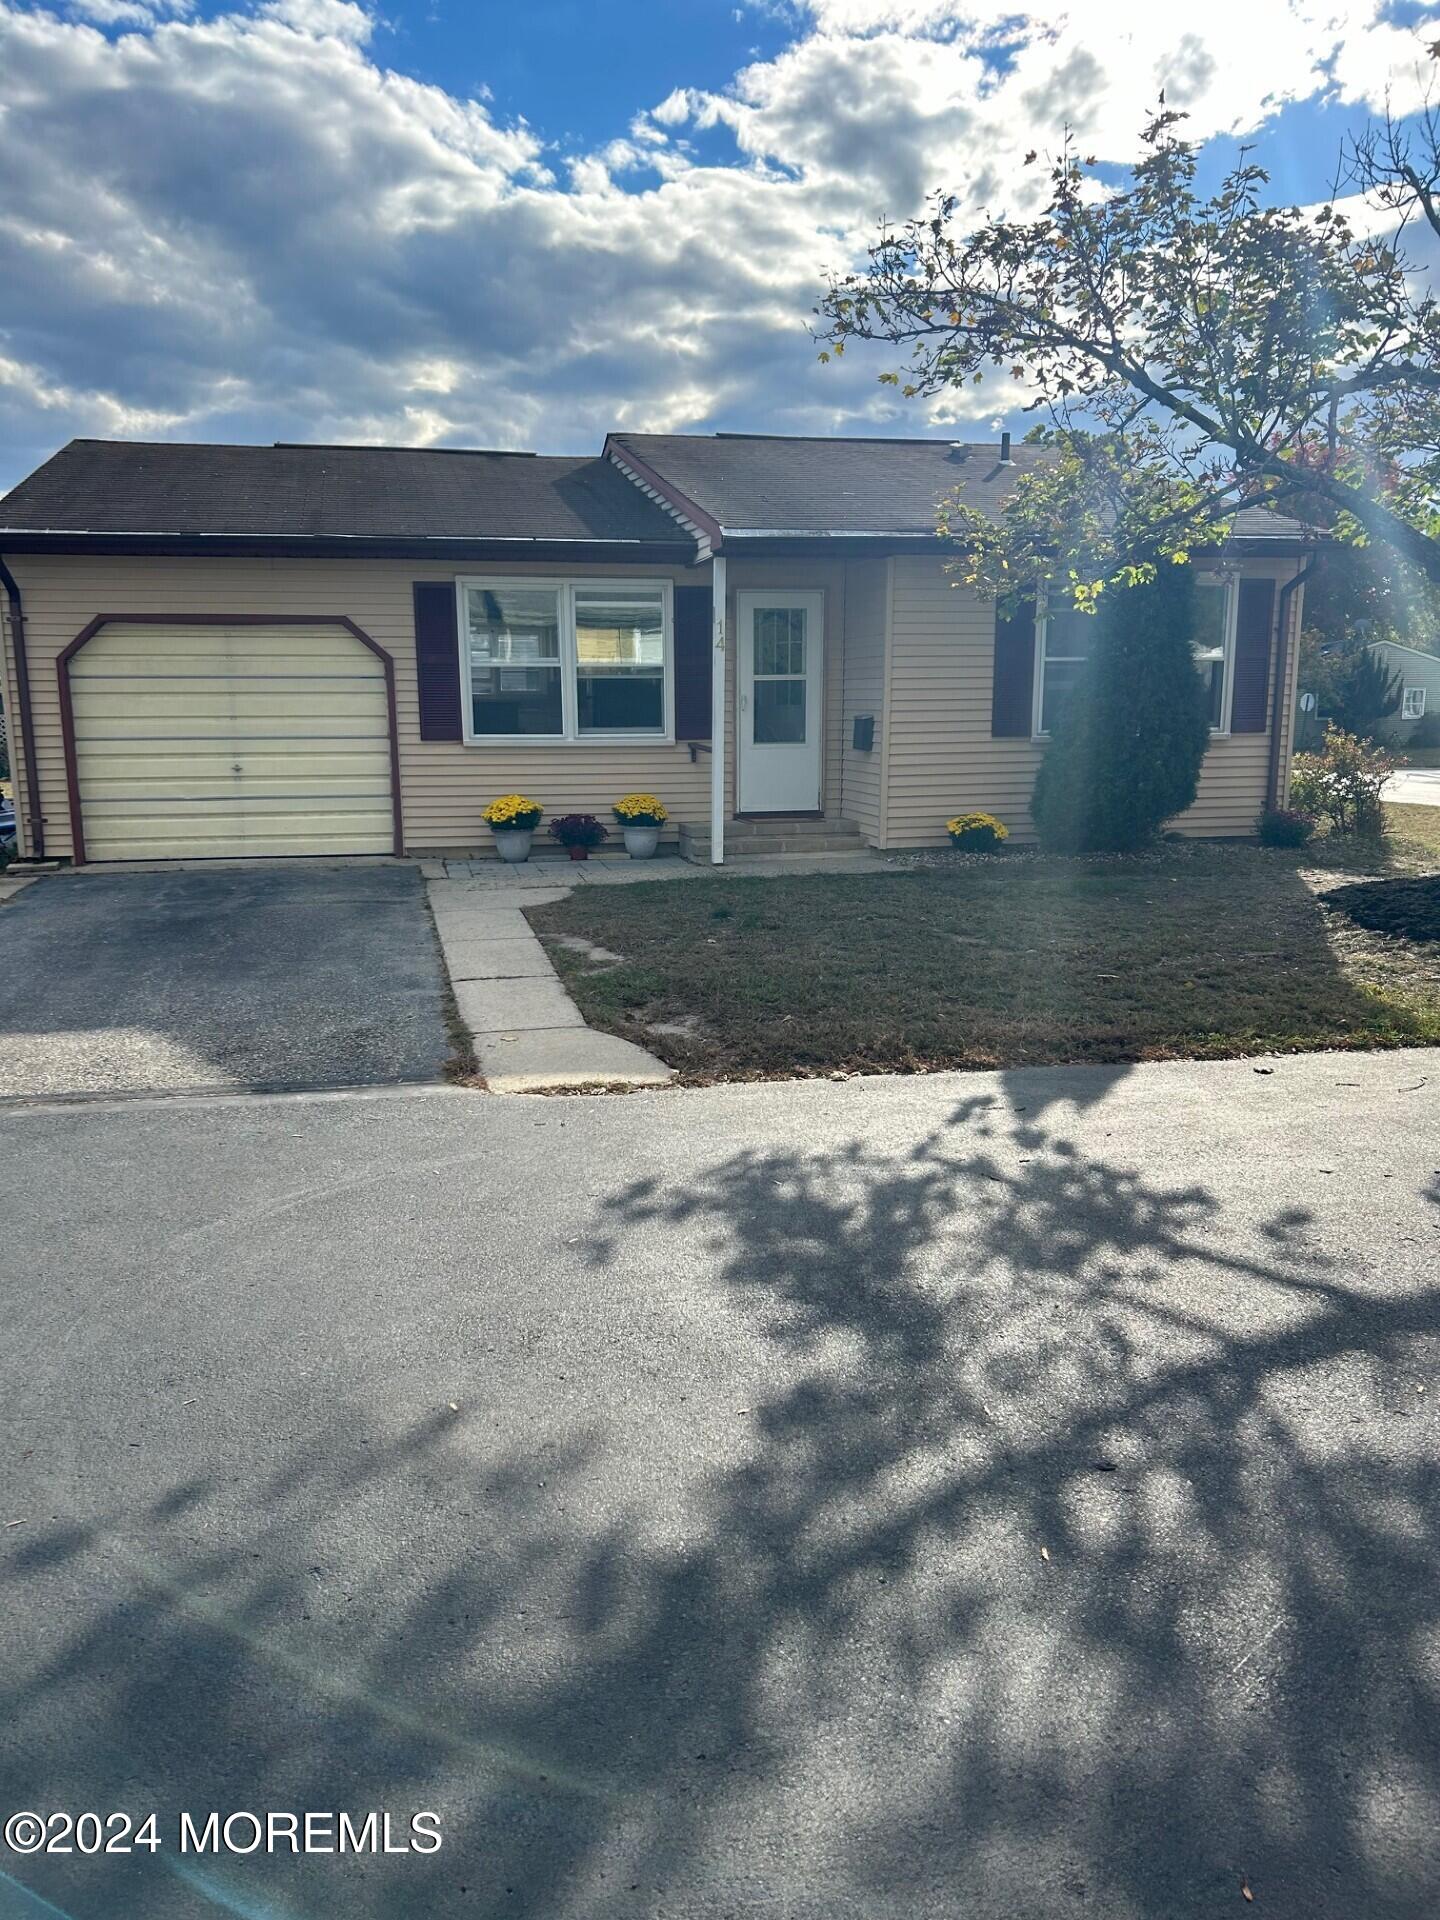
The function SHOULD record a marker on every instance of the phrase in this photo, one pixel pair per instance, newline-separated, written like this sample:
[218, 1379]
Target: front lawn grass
[1414, 836]
[1193, 951]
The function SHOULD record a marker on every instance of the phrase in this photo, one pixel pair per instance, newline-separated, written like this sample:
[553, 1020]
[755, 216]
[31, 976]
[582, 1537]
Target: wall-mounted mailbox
[863, 736]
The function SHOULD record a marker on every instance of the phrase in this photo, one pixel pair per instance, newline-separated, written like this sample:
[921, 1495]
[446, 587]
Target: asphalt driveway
[243, 978]
[965, 1497]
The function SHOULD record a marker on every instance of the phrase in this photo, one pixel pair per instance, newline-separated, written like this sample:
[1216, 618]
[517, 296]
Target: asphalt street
[985, 1495]
[1415, 787]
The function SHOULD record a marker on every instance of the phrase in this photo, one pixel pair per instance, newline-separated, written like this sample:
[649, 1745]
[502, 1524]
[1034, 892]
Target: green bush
[1342, 783]
[1284, 827]
[1125, 755]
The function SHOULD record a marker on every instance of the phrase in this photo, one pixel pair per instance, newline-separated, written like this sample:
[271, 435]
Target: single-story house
[1419, 675]
[257, 650]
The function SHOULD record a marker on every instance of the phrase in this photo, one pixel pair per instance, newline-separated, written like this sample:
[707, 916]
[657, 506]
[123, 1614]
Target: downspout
[717, 711]
[34, 823]
[1282, 673]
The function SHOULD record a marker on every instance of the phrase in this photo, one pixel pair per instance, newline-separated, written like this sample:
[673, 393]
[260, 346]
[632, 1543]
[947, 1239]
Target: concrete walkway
[530, 1037]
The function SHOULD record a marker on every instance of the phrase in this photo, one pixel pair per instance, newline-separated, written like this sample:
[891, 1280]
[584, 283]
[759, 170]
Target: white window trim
[567, 587]
[1415, 711]
[1231, 584]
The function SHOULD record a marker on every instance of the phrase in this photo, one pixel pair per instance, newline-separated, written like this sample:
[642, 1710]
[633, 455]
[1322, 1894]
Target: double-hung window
[1062, 646]
[1063, 640]
[566, 660]
[1412, 704]
[1216, 603]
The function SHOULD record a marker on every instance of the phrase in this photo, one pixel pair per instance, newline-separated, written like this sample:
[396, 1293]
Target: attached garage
[217, 737]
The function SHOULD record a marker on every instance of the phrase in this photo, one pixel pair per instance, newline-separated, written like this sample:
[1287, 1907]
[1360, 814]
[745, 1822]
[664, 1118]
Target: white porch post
[717, 713]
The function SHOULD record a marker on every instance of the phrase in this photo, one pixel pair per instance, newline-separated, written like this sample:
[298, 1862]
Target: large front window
[565, 660]
[1063, 640]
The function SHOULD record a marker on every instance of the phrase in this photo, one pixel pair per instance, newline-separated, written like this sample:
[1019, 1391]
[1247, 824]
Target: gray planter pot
[513, 843]
[641, 842]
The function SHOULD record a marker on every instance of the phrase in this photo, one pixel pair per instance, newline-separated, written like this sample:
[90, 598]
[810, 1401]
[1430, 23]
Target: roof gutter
[34, 820]
[1282, 674]
[426, 549]
[11, 534]
[829, 533]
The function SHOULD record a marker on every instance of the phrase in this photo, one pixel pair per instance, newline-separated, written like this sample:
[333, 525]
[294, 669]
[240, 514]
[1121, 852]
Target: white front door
[780, 722]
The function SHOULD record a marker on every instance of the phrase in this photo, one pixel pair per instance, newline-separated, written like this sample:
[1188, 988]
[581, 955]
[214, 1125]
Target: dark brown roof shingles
[748, 483]
[758, 483]
[376, 493]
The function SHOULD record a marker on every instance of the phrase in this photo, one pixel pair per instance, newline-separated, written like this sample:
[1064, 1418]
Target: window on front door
[779, 641]
[781, 644]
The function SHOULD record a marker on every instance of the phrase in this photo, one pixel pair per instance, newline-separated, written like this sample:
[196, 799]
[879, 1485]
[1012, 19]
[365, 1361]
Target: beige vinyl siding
[208, 742]
[930, 694]
[867, 605]
[942, 758]
[444, 784]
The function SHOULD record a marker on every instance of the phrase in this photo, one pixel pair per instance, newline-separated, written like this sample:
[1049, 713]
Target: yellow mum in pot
[512, 813]
[642, 816]
[640, 810]
[977, 832]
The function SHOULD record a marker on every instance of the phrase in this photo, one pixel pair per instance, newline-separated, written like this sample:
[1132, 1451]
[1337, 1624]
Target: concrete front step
[698, 850]
[753, 837]
[766, 825]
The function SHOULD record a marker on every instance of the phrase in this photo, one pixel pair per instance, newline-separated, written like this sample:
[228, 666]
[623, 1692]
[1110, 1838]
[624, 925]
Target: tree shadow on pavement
[1074, 1554]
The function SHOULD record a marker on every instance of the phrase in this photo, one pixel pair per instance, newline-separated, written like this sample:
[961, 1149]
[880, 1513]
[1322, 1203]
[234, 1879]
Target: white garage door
[195, 742]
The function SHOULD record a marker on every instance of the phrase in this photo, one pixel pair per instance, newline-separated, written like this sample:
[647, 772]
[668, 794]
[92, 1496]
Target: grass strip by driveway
[1192, 952]
[1415, 837]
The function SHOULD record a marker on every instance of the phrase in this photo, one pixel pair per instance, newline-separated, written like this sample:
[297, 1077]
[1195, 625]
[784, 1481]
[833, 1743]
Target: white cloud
[248, 226]
[339, 19]
[128, 13]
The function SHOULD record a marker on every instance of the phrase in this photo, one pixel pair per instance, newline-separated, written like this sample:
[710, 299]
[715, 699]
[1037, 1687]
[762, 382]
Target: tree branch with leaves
[1190, 356]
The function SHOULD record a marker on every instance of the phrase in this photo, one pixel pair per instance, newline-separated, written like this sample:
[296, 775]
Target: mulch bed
[1408, 908]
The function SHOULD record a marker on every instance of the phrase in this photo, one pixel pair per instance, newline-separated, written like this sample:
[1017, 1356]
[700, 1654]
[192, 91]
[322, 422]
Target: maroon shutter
[437, 660]
[1249, 700]
[694, 661]
[1012, 698]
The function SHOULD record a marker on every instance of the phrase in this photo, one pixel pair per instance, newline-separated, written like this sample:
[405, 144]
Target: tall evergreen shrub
[1124, 757]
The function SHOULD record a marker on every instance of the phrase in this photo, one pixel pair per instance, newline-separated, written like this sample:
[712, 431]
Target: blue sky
[518, 225]
[556, 62]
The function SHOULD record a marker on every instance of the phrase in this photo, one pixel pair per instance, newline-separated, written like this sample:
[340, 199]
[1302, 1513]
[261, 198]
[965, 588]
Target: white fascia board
[697, 534]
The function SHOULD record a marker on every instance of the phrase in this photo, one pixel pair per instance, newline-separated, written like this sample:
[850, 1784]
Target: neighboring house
[220, 651]
[1419, 675]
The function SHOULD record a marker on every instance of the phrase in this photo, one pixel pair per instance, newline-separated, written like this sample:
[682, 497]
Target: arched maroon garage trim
[87, 633]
